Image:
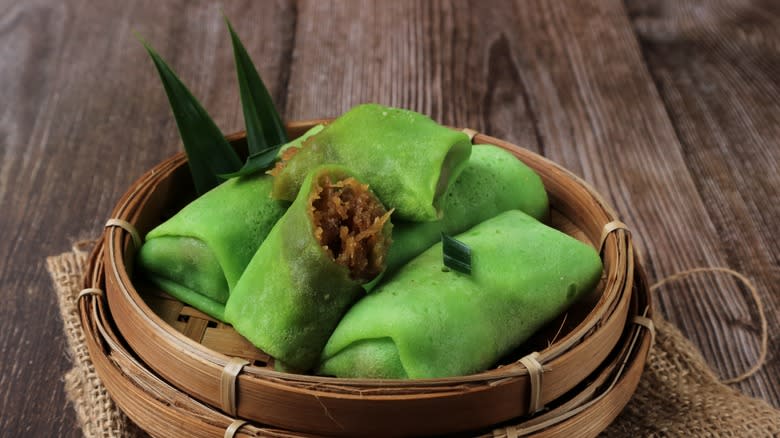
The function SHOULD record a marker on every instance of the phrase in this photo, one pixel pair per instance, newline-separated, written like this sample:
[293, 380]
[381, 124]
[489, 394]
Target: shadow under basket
[168, 365]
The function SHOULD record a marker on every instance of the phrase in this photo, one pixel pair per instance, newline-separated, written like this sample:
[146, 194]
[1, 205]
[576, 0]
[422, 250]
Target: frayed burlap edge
[678, 395]
[97, 415]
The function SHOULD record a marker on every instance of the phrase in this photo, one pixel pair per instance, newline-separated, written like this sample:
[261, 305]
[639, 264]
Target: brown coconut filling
[348, 222]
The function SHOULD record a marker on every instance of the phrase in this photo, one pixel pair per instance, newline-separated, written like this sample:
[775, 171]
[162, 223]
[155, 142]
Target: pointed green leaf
[264, 127]
[208, 153]
[265, 158]
[456, 254]
[256, 162]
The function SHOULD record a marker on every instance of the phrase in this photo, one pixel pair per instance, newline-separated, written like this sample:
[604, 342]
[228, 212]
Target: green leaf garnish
[264, 159]
[264, 127]
[208, 153]
[256, 162]
[457, 255]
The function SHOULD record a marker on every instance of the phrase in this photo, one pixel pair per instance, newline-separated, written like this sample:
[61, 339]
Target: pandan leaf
[256, 162]
[265, 159]
[208, 153]
[264, 127]
[457, 255]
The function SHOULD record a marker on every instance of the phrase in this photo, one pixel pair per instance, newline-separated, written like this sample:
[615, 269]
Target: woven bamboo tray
[155, 405]
[358, 406]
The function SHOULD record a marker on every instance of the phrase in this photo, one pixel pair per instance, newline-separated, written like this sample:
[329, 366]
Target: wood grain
[668, 108]
[86, 116]
[717, 68]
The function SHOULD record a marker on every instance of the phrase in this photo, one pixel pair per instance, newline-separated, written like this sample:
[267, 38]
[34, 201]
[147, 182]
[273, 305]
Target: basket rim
[515, 369]
[599, 332]
[599, 405]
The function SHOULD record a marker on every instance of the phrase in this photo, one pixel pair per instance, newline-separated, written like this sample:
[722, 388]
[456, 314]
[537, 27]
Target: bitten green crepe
[493, 181]
[427, 323]
[293, 292]
[199, 254]
[408, 160]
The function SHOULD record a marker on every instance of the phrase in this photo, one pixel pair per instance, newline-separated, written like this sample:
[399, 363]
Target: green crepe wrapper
[292, 294]
[428, 323]
[199, 254]
[493, 181]
[296, 143]
[408, 160]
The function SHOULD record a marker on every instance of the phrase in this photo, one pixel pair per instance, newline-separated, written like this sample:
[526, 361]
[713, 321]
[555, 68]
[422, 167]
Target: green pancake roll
[199, 254]
[493, 181]
[310, 268]
[427, 322]
[296, 143]
[408, 160]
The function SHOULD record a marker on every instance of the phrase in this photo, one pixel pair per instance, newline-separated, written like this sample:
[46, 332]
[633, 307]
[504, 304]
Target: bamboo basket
[155, 405]
[195, 355]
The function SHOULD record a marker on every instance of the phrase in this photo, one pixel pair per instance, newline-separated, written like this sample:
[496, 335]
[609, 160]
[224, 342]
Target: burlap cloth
[678, 395]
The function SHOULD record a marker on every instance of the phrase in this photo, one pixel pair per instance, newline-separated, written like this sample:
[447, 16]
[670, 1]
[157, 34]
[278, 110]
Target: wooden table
[670, 109]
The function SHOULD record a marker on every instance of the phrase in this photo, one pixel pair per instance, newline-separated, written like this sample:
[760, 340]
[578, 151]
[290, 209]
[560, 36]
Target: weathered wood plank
[692, 167]
[717, 67]
[84, 115]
